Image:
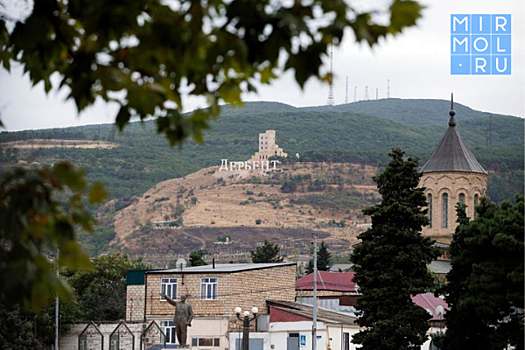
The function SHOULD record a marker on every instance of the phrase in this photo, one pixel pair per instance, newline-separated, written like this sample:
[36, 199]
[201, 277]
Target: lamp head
[255, 310]
[246, 313]
[238, 310]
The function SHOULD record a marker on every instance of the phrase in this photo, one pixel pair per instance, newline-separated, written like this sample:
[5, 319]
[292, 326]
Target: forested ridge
[362, 132]
[319, 134]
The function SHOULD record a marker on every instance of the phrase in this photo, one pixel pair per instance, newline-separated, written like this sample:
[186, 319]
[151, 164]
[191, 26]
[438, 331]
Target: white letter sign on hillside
[248, 165]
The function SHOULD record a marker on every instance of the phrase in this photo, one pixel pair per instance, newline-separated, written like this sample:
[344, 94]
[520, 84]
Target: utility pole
[377, 94]
[314, 325]
[388, 88]
[355, 93]
[56, 305]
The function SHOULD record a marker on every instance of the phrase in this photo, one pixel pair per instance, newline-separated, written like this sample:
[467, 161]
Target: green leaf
[123, 118]
[97, 194]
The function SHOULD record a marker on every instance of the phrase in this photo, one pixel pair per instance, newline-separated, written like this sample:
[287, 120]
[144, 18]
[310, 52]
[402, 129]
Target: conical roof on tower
[451, 154]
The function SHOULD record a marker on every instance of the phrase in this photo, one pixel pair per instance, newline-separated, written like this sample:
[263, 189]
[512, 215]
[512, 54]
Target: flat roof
[222, 268]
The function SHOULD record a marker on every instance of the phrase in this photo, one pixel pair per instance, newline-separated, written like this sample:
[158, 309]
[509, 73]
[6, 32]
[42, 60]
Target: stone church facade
[451, 175]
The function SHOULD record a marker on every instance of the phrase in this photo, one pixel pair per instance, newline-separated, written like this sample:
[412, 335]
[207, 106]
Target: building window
[430, 210]
[169, 286]
[476, 202]
[209, 288]
[213, 342]
[168, 327]
[462, 198]
[445, 210]
[346, 341]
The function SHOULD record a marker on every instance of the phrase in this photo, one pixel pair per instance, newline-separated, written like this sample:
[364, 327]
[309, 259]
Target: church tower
[451, 175]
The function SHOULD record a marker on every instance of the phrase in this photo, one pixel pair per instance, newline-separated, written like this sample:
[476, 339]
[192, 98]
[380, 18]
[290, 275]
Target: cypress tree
[485, 286]
[323, 260]
[391, 261]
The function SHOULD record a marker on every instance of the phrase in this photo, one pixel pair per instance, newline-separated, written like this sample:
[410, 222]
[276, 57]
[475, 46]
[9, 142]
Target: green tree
[485, 285]
[197, 258]
[101, 293]
[41, 211]
[323, 260]
[267, 253]
[391, 261]
[143, 55]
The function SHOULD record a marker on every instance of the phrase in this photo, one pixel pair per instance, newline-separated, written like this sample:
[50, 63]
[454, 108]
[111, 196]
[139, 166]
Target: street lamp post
[246, 320]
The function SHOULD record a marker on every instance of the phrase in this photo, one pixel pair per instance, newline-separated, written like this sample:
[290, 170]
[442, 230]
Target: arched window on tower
[462, 198]
[476, 202]
[430, 210]
[445, 210]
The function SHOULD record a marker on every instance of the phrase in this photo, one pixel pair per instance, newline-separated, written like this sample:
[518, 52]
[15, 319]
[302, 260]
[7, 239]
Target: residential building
[213, 291]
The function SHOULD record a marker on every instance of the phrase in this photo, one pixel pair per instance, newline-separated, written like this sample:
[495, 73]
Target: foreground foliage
[148, 55]
[485, 286]
[391, 261]
[100, 293]
[40, 211]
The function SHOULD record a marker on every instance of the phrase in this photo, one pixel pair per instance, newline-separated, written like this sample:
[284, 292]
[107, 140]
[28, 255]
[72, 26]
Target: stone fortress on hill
[451, 175]
[267, 147]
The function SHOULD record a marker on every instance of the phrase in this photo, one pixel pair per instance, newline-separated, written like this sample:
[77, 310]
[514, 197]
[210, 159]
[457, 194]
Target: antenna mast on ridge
[366, 93]
[331, 99]
[346, 91]
[388, 88]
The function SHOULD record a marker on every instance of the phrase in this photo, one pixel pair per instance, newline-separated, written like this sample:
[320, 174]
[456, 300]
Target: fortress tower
[451, 175]
[267, 147]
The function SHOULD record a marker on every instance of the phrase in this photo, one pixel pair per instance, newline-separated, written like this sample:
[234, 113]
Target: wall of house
[453, 184]
[245, 289]
[135, 302]
[279, 332]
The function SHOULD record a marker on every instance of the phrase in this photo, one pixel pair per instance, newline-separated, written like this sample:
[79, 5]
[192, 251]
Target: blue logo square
[480, 44]
[480, 24]
[501, 64]
[460, 24]
[460, 65]
[501, 24]
[480, 65]
[459, 44]
[501, 45]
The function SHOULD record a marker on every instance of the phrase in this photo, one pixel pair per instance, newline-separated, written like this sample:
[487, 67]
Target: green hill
[359, 132]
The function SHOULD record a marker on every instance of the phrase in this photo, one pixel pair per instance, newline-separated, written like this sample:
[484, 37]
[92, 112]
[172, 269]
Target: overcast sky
[417, 62]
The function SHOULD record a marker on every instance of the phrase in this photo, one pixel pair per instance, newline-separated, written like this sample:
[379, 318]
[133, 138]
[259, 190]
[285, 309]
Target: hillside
[356, 133]
[247, 207]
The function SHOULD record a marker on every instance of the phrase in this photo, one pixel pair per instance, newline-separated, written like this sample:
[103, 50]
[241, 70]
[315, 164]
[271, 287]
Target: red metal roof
[429, 302]
[332, 281]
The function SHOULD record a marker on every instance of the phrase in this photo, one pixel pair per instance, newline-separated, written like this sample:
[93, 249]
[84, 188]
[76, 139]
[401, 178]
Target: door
[292, 342]
[255, 344]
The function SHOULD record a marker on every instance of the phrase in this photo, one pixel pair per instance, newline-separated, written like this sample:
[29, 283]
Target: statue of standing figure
[182, 318]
